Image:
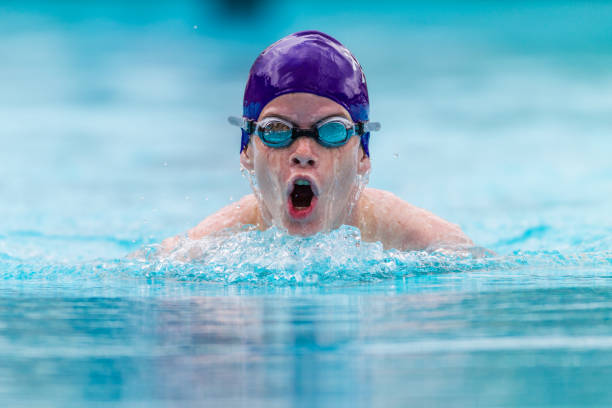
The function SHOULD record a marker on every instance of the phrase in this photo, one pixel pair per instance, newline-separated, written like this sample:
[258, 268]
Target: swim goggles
[330, 132]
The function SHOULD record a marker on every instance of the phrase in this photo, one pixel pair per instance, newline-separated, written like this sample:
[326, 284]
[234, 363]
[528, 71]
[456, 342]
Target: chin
[303, 228]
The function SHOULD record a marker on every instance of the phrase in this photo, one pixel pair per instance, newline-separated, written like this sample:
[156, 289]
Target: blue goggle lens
[333, 134]
[276, 134]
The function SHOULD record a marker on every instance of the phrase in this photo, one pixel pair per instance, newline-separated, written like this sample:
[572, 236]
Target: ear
[364, 164]
[246, 160]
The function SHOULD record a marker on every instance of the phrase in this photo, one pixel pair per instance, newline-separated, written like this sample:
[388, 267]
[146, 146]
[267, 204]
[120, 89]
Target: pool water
[114, 137]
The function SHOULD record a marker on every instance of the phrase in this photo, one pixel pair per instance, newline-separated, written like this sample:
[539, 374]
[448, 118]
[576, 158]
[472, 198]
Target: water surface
[113, 135]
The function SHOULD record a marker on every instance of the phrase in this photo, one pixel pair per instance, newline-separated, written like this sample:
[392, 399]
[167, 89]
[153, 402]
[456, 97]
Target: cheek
[267, 167]
[345, 167]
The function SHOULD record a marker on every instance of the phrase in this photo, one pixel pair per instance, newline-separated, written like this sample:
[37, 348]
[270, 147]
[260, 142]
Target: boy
[305, 135]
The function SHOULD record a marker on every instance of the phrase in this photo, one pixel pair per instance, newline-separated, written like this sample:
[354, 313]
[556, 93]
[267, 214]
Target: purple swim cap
[312, 62]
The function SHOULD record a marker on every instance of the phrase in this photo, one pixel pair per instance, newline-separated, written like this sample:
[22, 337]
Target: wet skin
[333, 174]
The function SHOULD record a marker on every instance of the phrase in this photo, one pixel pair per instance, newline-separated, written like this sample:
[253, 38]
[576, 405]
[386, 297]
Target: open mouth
[302, 199]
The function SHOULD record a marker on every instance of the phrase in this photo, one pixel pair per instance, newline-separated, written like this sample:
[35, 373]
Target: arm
[384, 217]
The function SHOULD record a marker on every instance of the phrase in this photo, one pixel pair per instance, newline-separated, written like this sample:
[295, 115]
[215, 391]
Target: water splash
[272, 257]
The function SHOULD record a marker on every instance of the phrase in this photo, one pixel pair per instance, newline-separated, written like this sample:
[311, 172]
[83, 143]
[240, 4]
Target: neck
[358, 216]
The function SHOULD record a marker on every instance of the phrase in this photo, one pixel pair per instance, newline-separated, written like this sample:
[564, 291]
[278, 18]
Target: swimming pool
[114, 137]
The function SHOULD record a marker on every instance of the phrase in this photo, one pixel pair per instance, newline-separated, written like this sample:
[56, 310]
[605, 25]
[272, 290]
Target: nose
[304, 154]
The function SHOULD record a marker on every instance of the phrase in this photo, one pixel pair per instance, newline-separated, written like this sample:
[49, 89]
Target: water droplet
[165, 164]
[195, 27]
[205, 198]
[187, 198]
[395, 155]
[231, 198]
[142, 197]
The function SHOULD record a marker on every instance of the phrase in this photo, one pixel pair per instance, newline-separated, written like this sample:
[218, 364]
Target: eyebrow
[273, 115]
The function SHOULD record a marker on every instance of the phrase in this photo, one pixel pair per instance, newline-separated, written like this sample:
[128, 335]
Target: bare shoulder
[233, 216]
[382, 216]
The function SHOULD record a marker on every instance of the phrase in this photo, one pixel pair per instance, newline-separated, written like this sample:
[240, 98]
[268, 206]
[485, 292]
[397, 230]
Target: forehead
[303, 109]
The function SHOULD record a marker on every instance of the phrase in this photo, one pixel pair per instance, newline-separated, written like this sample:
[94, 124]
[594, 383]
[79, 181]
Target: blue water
[113, 137]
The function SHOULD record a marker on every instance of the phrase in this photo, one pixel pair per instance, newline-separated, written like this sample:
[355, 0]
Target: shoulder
[233, 216]
[382, 216]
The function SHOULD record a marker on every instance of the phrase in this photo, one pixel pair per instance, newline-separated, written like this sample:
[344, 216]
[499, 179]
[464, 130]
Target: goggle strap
[248, 125]
[236, 121]
[366, 127]
[359, 128]
[370, 126]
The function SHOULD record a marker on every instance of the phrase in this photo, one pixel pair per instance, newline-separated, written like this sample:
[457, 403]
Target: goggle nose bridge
[312, 133]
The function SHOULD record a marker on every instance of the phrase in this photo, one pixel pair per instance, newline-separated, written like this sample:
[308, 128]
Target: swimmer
[305, 138]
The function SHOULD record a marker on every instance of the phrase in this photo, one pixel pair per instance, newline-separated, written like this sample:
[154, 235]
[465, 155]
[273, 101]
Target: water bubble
[274, 257]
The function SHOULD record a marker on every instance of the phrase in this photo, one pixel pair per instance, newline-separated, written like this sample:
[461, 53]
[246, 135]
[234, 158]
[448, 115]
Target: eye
[333, 132]
[275, 131]
[276, 126]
